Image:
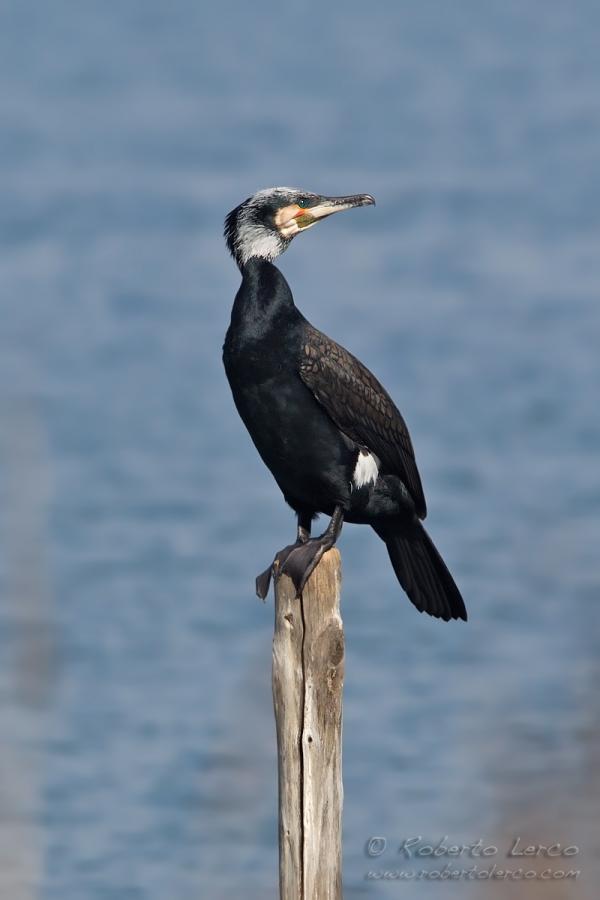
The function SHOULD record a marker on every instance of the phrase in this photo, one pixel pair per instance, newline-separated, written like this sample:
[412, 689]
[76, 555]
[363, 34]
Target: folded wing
[361, 408]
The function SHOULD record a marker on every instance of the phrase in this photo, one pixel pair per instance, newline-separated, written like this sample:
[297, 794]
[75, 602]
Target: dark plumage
[329, 432]
[361, 408]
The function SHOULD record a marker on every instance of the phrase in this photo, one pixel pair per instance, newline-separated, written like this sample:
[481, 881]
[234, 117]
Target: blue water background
[137, 749]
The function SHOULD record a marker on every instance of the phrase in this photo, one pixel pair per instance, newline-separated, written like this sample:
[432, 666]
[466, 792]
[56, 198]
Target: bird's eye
[304, 203]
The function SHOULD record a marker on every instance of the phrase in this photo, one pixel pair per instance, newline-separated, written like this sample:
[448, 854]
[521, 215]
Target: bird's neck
[254, 241]
[263, 301]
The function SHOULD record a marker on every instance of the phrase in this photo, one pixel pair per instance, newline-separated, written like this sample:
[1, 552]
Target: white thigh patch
[366, 469]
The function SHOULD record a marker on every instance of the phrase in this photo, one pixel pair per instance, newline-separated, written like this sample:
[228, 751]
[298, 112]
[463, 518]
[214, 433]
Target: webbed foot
[303, 560]
[263, 581]
[299, 560]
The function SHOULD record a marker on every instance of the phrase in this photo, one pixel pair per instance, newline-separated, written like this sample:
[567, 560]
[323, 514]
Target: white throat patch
[256, 240]
[366, 469]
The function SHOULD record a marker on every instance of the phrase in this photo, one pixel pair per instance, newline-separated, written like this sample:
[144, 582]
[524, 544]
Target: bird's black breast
[264, 335]
[298, 441]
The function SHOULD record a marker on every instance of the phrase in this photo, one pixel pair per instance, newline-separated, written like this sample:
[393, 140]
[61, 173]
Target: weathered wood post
[308, 675]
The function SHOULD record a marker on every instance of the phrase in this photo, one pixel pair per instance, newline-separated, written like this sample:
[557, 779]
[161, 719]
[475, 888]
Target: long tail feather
[422, 572]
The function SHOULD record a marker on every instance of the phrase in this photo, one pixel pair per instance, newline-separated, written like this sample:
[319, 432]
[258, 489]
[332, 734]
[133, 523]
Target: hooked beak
[292, 219]
[330, 205]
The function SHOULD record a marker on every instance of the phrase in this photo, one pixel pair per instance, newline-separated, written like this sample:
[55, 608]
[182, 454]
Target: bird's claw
[302, 561]
[263, 581]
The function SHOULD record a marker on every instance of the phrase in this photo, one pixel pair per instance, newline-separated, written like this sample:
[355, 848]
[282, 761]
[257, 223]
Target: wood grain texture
[308, 673]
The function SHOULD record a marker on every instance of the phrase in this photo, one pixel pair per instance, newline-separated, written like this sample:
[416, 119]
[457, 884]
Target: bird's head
[264, 224]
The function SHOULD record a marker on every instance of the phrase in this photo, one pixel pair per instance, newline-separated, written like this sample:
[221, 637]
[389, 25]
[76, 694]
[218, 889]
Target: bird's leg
[303, 560]
[264, 579]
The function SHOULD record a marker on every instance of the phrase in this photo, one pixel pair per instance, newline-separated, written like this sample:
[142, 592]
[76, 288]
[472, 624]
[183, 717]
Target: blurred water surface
[137, 754]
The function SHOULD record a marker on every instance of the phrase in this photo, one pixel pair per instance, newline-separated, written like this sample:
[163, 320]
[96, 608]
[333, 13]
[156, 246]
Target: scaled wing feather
[361, 408]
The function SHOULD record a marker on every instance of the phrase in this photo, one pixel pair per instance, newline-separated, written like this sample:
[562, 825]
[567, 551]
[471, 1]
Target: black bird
[328, 431]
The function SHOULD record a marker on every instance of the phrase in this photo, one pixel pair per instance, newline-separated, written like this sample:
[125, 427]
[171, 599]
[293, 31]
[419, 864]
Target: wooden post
[308, 674]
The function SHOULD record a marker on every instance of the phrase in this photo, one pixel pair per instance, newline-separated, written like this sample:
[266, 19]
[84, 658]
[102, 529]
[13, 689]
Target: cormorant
[328, 431]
